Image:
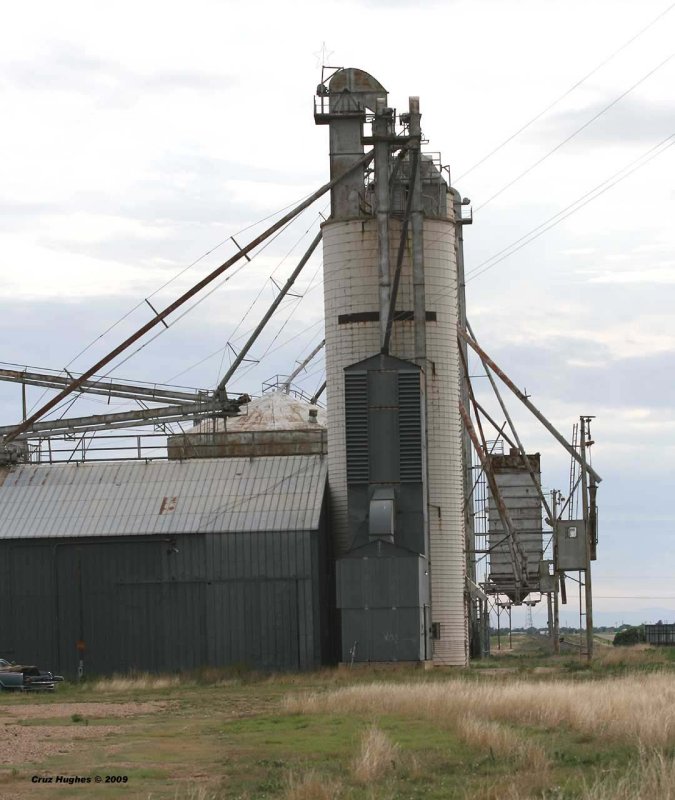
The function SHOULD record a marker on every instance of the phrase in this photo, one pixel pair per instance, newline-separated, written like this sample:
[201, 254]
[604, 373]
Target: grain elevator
[269, 532]
[392, 371]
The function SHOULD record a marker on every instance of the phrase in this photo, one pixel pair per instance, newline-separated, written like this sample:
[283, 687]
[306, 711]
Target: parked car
[22, 678]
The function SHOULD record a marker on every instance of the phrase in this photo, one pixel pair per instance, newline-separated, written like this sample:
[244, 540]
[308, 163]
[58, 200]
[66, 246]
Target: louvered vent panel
[410, 422]
[356, 419]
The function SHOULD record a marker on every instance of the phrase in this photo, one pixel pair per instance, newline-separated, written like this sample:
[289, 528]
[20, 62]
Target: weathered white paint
[274, 411]
[351, 286]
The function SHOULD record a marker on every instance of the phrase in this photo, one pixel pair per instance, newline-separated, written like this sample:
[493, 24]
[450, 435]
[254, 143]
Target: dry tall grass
[311, 786]
[194, 793]
[495, 738]
[376, 758]
[628, 709]
[127, 683]
[635, 655]
[652, 778]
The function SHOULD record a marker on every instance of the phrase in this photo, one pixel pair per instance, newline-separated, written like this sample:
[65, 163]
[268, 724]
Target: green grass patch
[226, 734]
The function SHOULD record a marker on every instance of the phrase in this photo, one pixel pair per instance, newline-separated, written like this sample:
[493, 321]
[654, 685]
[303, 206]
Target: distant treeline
[565, 629]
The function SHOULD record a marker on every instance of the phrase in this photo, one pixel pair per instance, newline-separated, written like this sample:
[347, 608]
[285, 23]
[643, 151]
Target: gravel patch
[20, 744]
[87, 710]
[23, 744]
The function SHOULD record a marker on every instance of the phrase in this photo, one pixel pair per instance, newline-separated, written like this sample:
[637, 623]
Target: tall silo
[362, 240]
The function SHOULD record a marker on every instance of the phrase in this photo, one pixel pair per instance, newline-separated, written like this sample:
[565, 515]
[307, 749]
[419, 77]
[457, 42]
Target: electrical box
[570, 537]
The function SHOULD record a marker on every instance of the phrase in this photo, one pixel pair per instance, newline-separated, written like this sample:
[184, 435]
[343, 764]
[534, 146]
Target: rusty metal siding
[255, 444]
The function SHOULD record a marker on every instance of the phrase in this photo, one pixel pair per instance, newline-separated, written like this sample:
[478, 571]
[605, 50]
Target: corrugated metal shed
[167, 566]
[164, 498]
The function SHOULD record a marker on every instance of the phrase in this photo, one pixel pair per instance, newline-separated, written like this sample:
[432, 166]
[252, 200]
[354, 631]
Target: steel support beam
[500, 431]
[26, 424]
[382, 125]
[417, 228]
[141, 416]
[520, 448]
[270, 311]
[318, 394]
[517, 556]
[524, 400]
[399, 261]
[286, 385]
[102, 386]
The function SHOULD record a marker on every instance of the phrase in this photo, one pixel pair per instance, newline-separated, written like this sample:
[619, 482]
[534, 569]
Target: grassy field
[520, 725]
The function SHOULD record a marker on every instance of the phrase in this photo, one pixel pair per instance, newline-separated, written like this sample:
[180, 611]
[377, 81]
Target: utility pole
[584, 421]
[556, 607]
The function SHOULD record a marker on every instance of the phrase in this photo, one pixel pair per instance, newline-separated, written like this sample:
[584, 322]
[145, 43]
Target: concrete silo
[392, 370]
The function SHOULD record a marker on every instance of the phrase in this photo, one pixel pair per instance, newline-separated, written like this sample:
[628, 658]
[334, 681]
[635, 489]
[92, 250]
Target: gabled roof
[228, 495]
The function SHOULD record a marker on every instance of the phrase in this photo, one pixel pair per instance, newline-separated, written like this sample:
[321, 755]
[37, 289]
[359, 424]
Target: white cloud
[656, 274]
[137, 137]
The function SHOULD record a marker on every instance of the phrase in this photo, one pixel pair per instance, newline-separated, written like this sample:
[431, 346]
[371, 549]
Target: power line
[232, 337]
[163, 286]
[198, 302]
[633, 597]
[295, 336]
[568, 92]
[221, 350]
[185, 269]
[579, 203]
[609, 183]
[283, 344]
[286, 321]
[572, 208]
[575, 133]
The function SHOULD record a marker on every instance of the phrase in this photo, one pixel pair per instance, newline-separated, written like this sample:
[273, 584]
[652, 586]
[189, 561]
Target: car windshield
[4, 663]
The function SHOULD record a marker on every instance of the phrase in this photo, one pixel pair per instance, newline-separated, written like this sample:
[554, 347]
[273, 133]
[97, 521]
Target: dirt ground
[22, 741]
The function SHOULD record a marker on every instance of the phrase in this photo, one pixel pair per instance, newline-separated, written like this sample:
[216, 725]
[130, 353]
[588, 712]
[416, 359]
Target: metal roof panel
[274, 493]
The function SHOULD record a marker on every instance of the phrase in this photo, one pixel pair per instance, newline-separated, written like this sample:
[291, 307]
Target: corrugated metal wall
[259, 599]
[660, 634]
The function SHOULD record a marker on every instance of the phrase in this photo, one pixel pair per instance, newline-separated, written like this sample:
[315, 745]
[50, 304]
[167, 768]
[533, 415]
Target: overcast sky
[138, 136]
